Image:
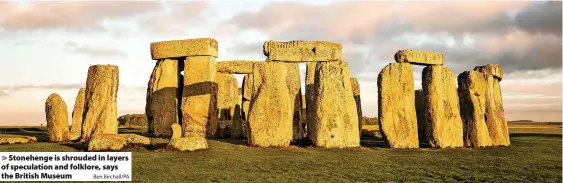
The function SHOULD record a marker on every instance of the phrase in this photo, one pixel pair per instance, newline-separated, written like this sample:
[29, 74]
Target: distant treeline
[369, 121]
[130, 120]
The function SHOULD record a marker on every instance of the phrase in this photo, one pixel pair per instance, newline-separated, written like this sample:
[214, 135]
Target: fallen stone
[162, 103]
[100, 107]
[472, 90]
[270, 116]
[237, 66]
[188, 143]
[184, 48]
[17, 140]
[176, 131]
[356, 91]
[443, 125]
[335, 124]
[106, 142]
[134, 139]
[397, 114]
[76, 127]
[420, 114]
[419, 57]
[302, 51]
[57, 118]
[199, 97]
[491, 69]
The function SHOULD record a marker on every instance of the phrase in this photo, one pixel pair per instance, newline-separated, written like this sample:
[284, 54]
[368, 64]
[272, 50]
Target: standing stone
[443, 125]
[494, 112]
[162, 97]
[270, 117]
[199, 97]
[397, 115]
[57, 118]
[294, 86]
[176, 131]
[420, 114]
[76, 128]
[335, 124]
[236, 129]
[356, 91]
[247, 92]
[304, 116]
[309, 94]
[100, 108]
[227, 95]
[472, 90]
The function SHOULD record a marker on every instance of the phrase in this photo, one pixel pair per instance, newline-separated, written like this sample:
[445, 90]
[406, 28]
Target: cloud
[95, 51]
[541, 18]
[177, 18]
[70, 15]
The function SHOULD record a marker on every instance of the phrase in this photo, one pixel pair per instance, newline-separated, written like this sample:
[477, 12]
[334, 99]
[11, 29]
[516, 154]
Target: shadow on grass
[77, 146]
[232, 141]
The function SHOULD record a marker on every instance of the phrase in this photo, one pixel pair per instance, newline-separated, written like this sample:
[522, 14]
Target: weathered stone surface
[309, 94]
[472, 90]
[443, 125]
[270, 116]
[302, 51]
[397, 115]
[356, 91]
[188, 143]
[336, 117]
[420, 114]
[494, 112]
[237, 66]
[236, 129]
[227, 95]
[199, 97]
[136, 139]
[100, 107]
[294, 86]
[176, 131]
[18, 140]
[57, 118]
[76, 128]
[105, 142]
[419, 57]
[162, 97]
[491, 69]
[184, 48]
[247, 92]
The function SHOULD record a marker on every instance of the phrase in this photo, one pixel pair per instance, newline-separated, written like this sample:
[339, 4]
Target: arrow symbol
[4, 158]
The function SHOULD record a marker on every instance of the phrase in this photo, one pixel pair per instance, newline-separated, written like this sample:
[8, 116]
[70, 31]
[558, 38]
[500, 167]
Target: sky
[47, 47]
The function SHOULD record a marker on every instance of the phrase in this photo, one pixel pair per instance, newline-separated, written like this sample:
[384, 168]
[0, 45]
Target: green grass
[533, 157]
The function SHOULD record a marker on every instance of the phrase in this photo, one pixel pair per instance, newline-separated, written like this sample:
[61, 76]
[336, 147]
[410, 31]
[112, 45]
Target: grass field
[535, 156]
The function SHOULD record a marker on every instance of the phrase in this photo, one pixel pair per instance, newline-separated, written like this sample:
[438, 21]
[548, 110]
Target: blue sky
[46, 47]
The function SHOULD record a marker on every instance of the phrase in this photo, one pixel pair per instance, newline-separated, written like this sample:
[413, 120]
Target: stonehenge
[443, 125]
[440, 114]
[76, 128]
[494, 111]
[397, 113]
[57, 118]
[162, 97]
[100, 106]
[192, 97]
